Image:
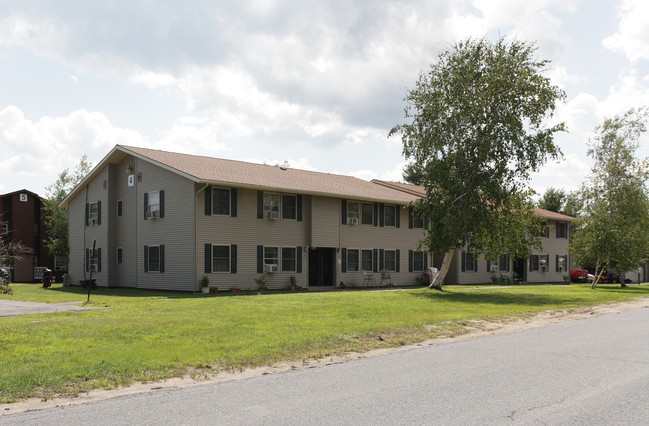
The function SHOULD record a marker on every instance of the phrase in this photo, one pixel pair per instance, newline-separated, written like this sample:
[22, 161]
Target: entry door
[322, 266]
[520, 269]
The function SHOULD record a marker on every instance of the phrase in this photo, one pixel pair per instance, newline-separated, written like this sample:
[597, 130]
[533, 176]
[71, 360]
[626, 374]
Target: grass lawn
[148, 335]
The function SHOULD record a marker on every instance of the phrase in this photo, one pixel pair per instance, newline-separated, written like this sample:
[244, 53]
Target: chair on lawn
[368, 278]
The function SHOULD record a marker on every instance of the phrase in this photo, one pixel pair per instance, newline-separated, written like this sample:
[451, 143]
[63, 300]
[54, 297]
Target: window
[271, 206]
[94, 263]
[221, 201]
[561, 263]
[154, 259]
[562, 230]
[120, 256]
[367, 261]
[390, 260]
[367, 214]
[220, 258]
[417, 222]
[288, 259]
[353, 212]
[93, 213]
[60, 263]
[352, 260]
[418, 261]
[5, 228]
[119, 208]
[539, 262]
[390, 215]
[469, 262]
[503, 262]
[154, 202]
[289, 207]
[271, 256]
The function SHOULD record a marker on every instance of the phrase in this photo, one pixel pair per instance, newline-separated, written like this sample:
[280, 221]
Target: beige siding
[175, 231]
[247, 232]
[325, 219]
[385, 238]
[81, 236]
[125, 227]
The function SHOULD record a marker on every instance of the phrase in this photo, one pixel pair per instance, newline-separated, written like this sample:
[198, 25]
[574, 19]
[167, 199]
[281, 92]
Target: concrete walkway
[12, 308]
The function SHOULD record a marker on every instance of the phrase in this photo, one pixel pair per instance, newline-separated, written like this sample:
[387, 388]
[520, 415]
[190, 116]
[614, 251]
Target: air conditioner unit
[92, 222]
[352, 220]
[155, 214]
[272, 215]
[543, 268]
[270, 268]
[493, 267]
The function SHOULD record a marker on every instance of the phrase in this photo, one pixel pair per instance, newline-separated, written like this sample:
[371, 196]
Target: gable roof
[217, 171]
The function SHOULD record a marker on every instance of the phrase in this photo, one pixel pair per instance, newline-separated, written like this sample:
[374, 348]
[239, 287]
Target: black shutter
[99, 212]
[463, 261]
[381, 259]
[344, 212]
[162, 258]
[208, 201]
[233, 202]
[260, 206]
[397, 214]
[531, 262]
[146, 258]
[411, 266]
[162, 203]
[233, 259]
[87, 213]
[475, 262]
[298, 259]
[87, 265]
[411, 218]
[489, 265]
[146, 204]
[260, 259]
[376, 214]
[398, 260]
[344, 260]
[376, 260]
[381, 215]
[98, 256]
[425, 260]
[556, 263]
[208, 258]
[299, 208]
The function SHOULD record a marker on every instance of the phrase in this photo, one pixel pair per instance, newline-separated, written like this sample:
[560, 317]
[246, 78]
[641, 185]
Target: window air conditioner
[272, 215]
[543, 268]
[493, 267]
[92, 222]
[270, 268]
[352, 220]
[155, 214]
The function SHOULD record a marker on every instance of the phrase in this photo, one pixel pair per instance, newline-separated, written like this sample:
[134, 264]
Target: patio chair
[368, 278]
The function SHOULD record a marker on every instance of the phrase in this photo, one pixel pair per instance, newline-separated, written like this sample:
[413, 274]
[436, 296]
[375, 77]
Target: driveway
[12, 308]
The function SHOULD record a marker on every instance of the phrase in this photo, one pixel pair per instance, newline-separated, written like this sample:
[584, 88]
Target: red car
[578, 275]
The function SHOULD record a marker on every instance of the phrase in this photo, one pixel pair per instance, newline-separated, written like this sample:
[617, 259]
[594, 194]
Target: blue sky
[317, 84]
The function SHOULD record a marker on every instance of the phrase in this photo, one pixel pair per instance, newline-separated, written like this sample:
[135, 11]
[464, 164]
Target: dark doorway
[322, 264]
[519, 270]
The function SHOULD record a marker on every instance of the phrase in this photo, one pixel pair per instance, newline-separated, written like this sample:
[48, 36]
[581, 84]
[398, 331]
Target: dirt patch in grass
[445, 333]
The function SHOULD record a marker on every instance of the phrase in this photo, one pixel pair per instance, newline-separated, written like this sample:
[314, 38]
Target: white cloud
[632, 36]
[567, 174]
[34, 153]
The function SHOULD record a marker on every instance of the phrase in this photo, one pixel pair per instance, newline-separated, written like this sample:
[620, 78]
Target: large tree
[553, 200]
[477, 125]
[613, 233]
[56, 218]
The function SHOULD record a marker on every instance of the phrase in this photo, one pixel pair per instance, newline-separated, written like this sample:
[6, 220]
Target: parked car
[578, 275]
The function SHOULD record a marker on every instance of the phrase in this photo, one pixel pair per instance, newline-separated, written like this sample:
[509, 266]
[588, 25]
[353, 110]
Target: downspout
[196, 235]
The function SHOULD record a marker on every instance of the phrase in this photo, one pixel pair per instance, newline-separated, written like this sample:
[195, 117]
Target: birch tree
[613, 233]
[477, 125]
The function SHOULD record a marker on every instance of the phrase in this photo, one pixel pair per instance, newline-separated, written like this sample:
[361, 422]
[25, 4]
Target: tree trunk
[446, 264]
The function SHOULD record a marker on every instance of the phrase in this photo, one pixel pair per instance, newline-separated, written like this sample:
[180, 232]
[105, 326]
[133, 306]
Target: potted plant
[205, 284]
[262, 283]
[292, 283]
[235, 290]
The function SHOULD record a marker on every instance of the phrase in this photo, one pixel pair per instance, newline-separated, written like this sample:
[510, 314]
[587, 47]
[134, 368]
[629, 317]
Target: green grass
[148, 335]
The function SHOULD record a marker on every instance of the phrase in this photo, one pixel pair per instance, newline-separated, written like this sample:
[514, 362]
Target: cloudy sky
[317, 84]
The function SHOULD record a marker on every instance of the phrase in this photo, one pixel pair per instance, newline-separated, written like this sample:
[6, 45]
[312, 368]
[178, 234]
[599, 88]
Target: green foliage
[262, 282]
[413, 174]
[553, 200]
[147, 336]
[55, 217]
[613, 231]
[477, 128]
[205, 282]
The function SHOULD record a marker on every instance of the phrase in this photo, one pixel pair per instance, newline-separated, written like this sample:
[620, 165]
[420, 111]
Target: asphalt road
[593, 371]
